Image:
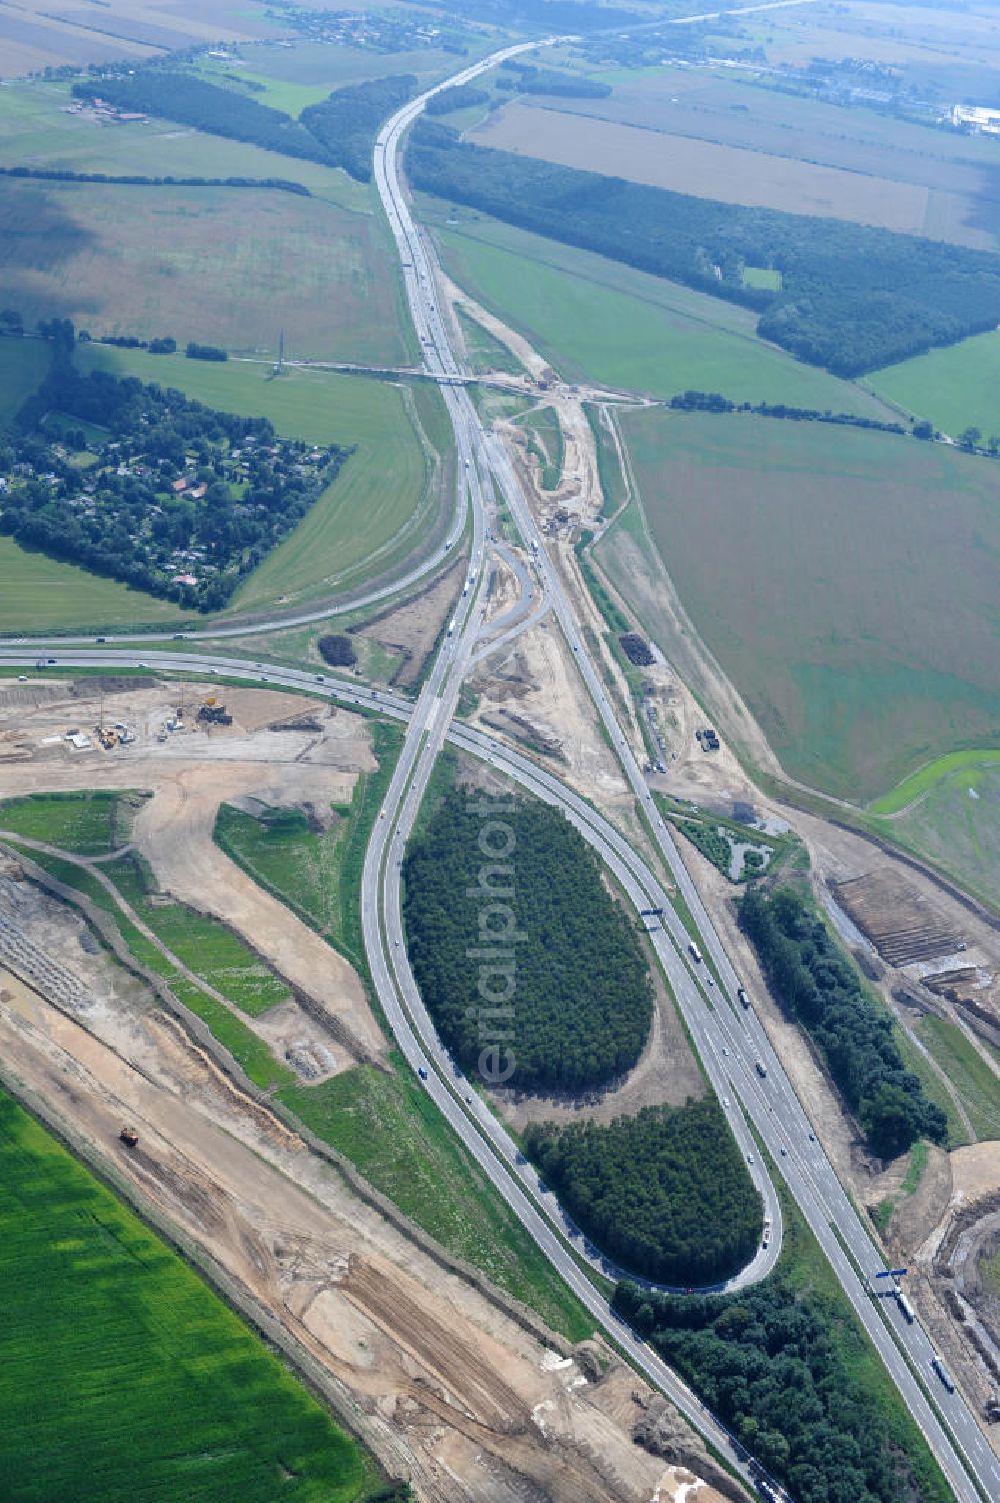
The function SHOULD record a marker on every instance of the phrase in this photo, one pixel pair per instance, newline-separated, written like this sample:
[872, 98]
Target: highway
[729, 1039]
[732, 1043]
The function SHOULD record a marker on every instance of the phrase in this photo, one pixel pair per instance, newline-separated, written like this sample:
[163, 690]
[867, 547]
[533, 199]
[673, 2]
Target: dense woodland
[853, 298]
[529, 79]
[192, 101]
[152, 488]
[461, 97]
[582, 1001]
[664, 1193]
[346, 124]
[822, 989]
[778, 1366]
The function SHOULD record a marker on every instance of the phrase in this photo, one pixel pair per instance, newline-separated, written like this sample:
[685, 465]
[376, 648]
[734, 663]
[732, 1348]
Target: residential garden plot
[598, 320]
[228, 266]
[955, 388]
[846, 582]
[381, 504]
[124, 1376]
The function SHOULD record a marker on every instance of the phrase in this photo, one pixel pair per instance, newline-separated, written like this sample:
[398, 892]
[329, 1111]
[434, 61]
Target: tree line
[779, 1365]
[853, 298]
[581, 1005]
[141, 180]
[664, 1193]
[855, 1034]
[712, 401]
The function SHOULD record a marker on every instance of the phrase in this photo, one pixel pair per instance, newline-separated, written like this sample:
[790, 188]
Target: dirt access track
[190, 774]
[444, 1382]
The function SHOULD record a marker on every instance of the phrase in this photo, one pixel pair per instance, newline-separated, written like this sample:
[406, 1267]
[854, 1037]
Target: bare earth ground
[438, 1378]
[189, 775]
[413, 627]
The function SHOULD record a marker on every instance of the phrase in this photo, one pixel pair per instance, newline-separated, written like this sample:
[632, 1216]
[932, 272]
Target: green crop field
[88, 824]
[597, 320]
[124, 1376]
[380, 505]
[38, 593]
[820, 566]
[949, 812]
[955, 388]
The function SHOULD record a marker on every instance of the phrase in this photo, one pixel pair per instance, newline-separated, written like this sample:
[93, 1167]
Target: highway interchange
[730, 1040]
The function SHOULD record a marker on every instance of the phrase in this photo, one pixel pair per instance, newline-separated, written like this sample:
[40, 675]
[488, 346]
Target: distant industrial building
[977, 118]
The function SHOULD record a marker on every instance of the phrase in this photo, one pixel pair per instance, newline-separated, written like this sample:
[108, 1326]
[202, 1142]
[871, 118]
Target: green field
[484, 352]
[820, 566]
[955, 388]
[976, 1084]
[203, 944]
[545, 440]
[761, 276]
[23, 364]
[317, 873]
[88, 824]
[388, 1126]
[38, 593]
[124, 1376]
[380, 505]
[949, 812]
[598, 320]
[227, 266]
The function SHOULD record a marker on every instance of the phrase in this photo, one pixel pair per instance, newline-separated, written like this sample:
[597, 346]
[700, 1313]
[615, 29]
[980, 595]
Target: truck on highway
[451, 627]
[695, 952]
[943, 1374]
[765, 1240]
[905, 1308]
[741, 993]
[761, 1068]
